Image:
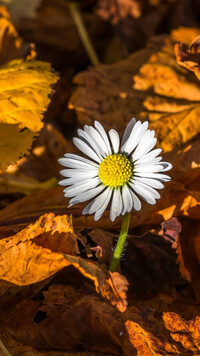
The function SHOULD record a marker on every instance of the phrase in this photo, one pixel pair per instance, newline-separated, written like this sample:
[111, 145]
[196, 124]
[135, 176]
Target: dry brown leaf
[42, 162]
[117, 10]
[150, 265]
[186, 164]
[161, 92]
[104, 240]
[93, 324]
[96, 326]
[188, 249]
[183, 331]
[19, 9]
[18, 349]
[171, 229]
[53, 26]
[40, 169]
[189, 57]
[47, 246]
[11, 45]
[178, 201]
[31, 255]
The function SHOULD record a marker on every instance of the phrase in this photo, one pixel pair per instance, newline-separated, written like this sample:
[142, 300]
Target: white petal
[166, 166]
[132, 135]
[151, 162]
[151, 190]
[116, 205]
[77, 173]
[147, 168]
[151, 182]
[87, 208]
[128, 130]
[90, 141]
[82, 146]
[135, 137]
[136, 202]
[120, 202]
[161, 177]
[127, 200]
[74, 163]
[87, 195]
[149, 156]
[146, 144]
[80, 158]
[99, 139]
[97, 203]
[114, 137]
[113, 209]
[100, 212]
[74, 180]
[103, 134]
[144, 191]
[80, 188]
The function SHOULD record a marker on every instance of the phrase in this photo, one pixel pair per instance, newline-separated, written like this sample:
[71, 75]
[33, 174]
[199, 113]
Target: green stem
[89, 48]
[120, 243]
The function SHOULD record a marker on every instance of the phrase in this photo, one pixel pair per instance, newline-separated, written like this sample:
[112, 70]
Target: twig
[4, 350]
[86, 41]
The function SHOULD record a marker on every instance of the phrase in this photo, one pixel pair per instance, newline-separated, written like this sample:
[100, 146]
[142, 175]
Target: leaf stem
[26, 185]
[120, 243]
[89, 48]
[4, 350]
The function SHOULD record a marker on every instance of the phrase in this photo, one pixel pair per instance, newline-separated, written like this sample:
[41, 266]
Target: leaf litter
[56, 294]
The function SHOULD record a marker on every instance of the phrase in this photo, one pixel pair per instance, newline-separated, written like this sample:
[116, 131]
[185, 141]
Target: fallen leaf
[104, 241]
[31, 253]
[178, 201]
[186, 164]
[16, 348]
[93, 324]
[10, 183]
[19, 143]
[12, 46]
[42, 162]
[161, 92]
[150, 265]
[40, 169]
[25, 87]
[171, 229]
[117, 10]
[188, 249]
[47, 246]
[189, 57]
[186, 332]
[96, 326]
[53, 27]
[19, 9]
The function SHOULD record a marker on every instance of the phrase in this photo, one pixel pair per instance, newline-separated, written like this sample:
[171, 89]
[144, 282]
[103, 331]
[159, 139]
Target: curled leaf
[189, 57]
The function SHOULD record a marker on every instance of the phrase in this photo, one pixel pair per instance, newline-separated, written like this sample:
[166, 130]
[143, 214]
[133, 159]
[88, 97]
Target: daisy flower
[115, 174]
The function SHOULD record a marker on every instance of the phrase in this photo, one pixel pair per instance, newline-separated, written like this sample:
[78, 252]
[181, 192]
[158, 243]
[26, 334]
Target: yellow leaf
[24, 96]
[13, 143]
[24, 92]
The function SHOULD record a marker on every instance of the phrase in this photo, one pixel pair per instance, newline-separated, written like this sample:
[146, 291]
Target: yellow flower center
[115, 170]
